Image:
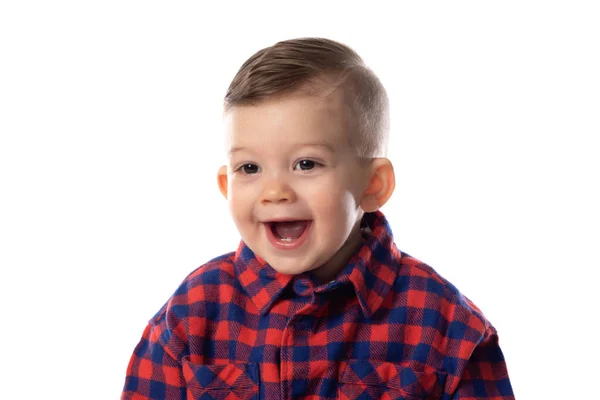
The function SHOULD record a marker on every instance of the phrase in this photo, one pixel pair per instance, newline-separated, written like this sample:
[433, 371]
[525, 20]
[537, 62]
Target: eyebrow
[235, 150]
[326, 145]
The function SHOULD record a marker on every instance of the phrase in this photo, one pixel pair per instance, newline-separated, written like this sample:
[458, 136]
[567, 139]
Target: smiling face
[294, 184]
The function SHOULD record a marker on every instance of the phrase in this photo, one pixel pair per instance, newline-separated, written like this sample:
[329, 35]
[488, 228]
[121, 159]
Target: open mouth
[287, 234]
[288, 230]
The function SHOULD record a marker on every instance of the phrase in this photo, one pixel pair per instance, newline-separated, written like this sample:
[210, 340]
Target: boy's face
[294, 184]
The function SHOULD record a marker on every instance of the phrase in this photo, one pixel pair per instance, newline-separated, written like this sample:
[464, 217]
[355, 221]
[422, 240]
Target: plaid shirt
[388, 327]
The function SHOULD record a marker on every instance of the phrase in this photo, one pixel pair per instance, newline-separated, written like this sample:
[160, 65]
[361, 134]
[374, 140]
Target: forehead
[294, 119]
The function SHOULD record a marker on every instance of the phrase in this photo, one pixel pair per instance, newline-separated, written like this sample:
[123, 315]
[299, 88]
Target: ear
[381, 185]
[222, 180]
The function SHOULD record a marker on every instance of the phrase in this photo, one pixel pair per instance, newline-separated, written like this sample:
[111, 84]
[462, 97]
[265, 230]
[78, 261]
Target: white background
[111, 139]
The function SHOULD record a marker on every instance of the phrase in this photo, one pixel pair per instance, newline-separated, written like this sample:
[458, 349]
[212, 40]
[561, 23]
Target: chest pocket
[385, 380]
[221, 381]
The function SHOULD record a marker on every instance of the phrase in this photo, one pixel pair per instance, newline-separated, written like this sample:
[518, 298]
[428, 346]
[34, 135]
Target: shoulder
[424, 287]
[217, 271]
[207, 283]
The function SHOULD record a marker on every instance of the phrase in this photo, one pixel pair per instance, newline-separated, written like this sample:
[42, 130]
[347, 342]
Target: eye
[249, 169]
[305, 165]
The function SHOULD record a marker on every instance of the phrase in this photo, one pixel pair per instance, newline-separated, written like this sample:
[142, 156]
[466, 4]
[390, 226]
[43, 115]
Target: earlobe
[222, 180]
[381, 185]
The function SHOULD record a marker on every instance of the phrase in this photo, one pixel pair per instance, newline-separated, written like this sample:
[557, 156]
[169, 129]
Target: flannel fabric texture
[388, 327]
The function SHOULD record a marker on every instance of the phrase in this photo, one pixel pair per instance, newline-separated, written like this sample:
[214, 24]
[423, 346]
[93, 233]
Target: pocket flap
[240, 379]
[362, 376]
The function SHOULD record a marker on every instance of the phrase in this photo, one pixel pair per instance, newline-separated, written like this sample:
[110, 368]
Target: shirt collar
[371, 271]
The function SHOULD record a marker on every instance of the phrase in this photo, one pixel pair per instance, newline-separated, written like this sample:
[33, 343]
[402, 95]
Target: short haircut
[294, 65]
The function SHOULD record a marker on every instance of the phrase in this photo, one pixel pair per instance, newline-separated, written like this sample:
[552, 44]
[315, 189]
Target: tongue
[289, 230]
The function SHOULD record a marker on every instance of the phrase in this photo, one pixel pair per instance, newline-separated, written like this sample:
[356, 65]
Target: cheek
[238, 201]
[330, 201]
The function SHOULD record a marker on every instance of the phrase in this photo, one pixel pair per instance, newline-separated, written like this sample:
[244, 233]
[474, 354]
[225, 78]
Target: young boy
[317, 301]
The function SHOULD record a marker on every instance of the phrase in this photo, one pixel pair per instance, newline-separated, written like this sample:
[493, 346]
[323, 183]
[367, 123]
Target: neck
[334, 266]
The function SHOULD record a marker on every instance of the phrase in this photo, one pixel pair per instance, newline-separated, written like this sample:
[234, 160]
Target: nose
[277, 190]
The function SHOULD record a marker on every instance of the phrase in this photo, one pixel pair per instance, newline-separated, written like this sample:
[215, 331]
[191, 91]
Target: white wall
[110, 142]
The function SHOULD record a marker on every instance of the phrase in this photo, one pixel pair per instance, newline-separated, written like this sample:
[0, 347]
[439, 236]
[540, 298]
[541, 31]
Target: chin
[289, 267]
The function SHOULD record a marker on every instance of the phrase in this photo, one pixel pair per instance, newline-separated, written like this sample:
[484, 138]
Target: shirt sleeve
[485, 376]
[154, 371]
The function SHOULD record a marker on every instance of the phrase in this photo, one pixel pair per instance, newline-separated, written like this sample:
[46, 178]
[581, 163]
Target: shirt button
[304, 324]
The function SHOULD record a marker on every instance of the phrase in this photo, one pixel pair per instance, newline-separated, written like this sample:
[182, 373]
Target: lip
[283, 219]
[280, 244]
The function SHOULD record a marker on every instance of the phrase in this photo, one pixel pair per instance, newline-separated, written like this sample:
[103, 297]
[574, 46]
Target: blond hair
[294, 65]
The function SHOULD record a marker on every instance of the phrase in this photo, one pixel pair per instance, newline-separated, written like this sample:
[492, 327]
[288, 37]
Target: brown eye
[249, 169]
[305, 165]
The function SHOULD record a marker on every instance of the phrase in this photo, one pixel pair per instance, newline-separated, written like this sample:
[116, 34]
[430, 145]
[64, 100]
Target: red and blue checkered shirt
[388, 327]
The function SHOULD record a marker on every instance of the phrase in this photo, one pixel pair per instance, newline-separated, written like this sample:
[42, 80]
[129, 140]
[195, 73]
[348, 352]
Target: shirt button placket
[295, 337]
[300, 329]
